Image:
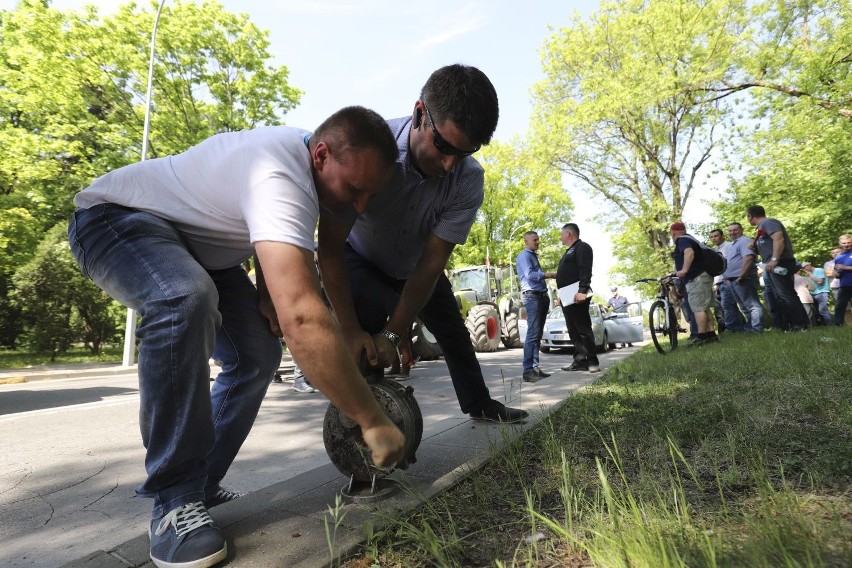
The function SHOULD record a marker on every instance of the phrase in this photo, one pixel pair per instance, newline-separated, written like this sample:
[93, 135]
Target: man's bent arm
[331, 241]
[314, 339]
[420, 284]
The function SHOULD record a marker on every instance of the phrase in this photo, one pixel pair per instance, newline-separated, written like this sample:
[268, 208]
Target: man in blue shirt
[820, 291]
[843, 270]
[382, 266]
[536, 301]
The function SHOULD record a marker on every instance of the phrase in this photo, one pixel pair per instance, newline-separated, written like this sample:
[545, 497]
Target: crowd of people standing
[795, 293]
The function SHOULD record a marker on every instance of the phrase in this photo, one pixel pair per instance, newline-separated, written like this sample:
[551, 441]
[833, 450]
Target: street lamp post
[130, 328]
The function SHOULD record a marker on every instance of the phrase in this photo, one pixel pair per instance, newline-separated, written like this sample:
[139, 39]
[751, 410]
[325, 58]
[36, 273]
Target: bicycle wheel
[663, 329]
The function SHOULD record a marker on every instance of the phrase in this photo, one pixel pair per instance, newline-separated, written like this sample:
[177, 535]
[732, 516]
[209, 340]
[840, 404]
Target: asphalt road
[72, 456]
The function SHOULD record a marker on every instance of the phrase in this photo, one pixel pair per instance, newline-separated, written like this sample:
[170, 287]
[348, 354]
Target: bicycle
[662, 318]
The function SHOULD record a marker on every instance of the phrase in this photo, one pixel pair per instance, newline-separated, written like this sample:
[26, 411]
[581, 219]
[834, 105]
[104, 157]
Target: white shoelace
[227, 495]
[185, 519]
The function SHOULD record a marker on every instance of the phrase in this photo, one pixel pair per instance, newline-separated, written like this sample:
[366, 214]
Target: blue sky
[378, 53]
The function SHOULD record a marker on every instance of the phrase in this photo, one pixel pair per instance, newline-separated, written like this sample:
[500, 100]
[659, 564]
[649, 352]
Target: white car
[609, 328]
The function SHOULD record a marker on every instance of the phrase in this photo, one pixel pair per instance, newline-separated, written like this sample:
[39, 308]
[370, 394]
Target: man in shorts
[689, 266]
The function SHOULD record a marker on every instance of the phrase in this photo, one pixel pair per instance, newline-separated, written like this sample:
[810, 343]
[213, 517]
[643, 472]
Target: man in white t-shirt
[167, 237]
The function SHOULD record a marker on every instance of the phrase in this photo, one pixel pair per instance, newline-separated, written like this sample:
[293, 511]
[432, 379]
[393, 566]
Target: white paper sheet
[567, 293]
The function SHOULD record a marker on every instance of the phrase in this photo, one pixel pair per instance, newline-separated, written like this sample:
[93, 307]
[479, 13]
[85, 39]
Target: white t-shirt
[224, 194]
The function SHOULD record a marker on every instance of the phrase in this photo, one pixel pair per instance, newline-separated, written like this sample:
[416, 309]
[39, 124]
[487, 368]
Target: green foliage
[796, 159]
[72, 106]
[58, 305]
[623, 109]
[520, 195]
[43, 294]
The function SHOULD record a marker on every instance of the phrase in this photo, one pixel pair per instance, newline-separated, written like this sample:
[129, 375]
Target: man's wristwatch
[394, 339]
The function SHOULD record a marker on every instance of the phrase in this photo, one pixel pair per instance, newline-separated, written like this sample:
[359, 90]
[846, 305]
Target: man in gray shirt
[773, 244]
[741, 276]
[384, 266]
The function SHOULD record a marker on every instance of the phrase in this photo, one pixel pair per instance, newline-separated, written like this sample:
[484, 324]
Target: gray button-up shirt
[393, 230]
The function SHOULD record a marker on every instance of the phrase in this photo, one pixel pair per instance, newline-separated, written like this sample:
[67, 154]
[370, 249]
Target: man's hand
[386, 443]
[387, 355]
[359, 341]
[680, 273]
[579, 297]
[267, 310]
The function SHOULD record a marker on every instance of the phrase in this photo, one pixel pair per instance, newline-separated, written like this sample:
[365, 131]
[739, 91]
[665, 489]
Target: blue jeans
[192, 433]
[536, 305]
[734, 320]
[821, 301]
[746, 292]
[375, 295]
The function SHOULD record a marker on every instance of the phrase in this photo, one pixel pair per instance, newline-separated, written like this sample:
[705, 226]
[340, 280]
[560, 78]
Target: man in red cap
[689, 266]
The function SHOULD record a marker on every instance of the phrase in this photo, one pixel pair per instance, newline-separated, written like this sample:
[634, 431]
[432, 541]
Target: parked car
[625, 325]
[556, 337]
[609, 328]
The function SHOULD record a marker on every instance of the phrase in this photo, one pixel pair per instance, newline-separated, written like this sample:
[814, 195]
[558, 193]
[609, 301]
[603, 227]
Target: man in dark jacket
[576, 267]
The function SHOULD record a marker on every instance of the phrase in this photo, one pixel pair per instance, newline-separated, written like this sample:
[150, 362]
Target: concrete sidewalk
[284, 524]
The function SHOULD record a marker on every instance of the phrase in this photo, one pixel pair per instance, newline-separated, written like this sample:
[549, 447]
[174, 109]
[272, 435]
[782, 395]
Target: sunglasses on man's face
[442, 145]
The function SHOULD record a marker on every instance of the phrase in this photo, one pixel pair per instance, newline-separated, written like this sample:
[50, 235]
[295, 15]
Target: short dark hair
[356, 128]
[528, 233]
[756, 211]
[735, 224]
[464, 95]
[571, 227]
[717, 231]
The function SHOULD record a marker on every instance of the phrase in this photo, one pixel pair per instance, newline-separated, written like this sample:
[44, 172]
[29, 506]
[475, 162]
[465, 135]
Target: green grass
[19, 359]
[734, 454]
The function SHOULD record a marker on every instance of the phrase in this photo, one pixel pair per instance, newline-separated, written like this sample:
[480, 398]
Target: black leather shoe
[494, 411]
[575, 366]
[531, 377]
[540, 373]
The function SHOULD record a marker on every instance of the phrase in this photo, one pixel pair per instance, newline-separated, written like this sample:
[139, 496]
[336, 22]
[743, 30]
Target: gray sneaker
[186, 538]
[300, 384]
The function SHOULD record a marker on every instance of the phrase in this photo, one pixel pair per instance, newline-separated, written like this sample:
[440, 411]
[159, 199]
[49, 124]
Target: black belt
[534, 293]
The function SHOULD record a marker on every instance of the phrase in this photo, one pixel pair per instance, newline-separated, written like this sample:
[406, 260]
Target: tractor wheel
[423, 344]
[512, 337]
[483, 325]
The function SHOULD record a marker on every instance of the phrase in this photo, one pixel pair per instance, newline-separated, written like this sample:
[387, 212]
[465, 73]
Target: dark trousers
[785, 298]
[580, 329]
[376, 295]
[844, 296]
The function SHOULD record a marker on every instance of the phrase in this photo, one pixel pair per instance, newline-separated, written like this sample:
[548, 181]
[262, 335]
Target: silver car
[624, 326]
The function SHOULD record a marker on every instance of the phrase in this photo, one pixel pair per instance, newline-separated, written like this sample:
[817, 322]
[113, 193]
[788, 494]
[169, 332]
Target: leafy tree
[72, 105]
[520, 195]
[623, 110]
[59, 305]
[798, 159]
[43, 294]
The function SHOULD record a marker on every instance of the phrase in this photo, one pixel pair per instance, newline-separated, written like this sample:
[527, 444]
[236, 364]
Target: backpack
[712, 260]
